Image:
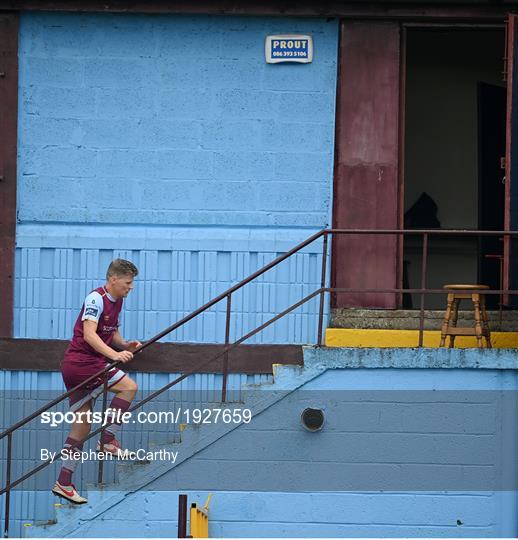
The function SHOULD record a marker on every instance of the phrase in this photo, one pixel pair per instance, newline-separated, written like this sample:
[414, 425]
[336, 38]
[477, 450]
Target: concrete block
[244, 165]
[47, 72]
[123, 195]
[56, 35]
[179, 73]
[122, 103]
[177, 134]
[253, 104]
[297, 137]
[299, 77]
[232, 135]
[123, 37]
[110, 134]
[170, 195]
[38, 131]
[293, 196]
[121, 73]
[303, 107]
[228, 196]
[189, 104]
[60, 162]
[317, 220]
[243, 34]
[183, 164]
[236, 73]
[309, 166]
[52, 102]
[193, 40]
[125, 163]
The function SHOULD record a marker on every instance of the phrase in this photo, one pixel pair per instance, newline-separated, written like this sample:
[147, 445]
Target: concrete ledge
[408, 319]
[322, 358]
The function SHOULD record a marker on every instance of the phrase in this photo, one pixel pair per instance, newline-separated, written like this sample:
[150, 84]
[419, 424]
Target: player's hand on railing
[123, 356]
[132, 346]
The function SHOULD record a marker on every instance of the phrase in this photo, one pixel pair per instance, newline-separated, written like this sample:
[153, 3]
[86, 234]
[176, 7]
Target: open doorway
[455, 103]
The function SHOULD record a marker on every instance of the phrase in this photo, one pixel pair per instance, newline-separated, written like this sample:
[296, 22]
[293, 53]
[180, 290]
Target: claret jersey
[101, 307]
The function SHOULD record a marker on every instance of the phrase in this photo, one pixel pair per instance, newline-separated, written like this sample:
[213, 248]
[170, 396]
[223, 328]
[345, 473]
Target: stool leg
[446, 320]
[455, 316]
[485, 322]
[475, 298]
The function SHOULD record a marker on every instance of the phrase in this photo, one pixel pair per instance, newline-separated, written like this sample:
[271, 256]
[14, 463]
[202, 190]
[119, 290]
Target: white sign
[288, 48]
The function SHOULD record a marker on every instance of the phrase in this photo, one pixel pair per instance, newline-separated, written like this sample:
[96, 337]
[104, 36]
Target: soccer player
[95, 331]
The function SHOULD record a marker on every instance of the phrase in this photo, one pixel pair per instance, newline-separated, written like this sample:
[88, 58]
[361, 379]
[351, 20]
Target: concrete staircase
[71, 520]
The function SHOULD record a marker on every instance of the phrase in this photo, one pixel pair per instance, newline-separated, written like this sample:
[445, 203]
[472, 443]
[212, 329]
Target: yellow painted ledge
[352, 337]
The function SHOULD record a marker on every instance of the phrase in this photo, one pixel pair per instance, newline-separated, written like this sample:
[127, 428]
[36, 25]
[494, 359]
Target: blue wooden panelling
[51, 283]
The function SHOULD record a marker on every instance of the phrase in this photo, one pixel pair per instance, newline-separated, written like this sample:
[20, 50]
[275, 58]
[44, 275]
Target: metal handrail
[227, 294]
[172, 383]
[168, 330]
[227, 348]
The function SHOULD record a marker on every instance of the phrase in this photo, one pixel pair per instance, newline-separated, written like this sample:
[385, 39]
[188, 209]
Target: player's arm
[121, 343]
[92, 311]
[92, 338]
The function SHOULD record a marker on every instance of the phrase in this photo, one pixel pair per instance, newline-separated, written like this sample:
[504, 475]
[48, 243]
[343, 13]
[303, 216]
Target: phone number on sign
[289, 54]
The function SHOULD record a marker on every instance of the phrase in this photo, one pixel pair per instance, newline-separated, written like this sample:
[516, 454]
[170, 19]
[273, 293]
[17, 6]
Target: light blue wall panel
[179, 271]
[128, 122]
[173, 120]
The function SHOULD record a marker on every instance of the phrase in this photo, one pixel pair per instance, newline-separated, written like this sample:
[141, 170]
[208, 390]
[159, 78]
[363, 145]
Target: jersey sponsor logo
[94, 311]
[109, 328]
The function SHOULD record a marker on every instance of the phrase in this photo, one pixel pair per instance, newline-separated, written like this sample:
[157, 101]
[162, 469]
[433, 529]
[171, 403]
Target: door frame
[402, 116]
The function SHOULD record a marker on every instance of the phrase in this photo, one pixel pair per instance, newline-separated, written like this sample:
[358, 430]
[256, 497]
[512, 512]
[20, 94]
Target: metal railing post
[8, 482]
[322, 286]
[182, 516]
[227, 341]
[100, 471]
[423, 286]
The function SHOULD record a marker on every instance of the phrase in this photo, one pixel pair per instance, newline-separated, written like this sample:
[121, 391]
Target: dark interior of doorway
[455, 102]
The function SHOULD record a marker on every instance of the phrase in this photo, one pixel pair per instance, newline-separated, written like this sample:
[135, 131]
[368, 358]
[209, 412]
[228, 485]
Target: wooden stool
[449, 325]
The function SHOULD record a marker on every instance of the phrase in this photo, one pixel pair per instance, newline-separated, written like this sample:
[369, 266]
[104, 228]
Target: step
[400, 319]
[134, 477]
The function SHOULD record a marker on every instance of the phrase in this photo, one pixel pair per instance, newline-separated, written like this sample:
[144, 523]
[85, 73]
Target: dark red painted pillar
[8, 138]
[366, 161]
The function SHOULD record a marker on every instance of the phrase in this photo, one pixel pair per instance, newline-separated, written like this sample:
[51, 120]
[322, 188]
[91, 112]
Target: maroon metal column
[366, 162]
[512, 31]
[8, 137]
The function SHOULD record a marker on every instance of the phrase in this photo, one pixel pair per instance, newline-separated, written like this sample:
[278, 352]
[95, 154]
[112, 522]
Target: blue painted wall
[273, 478]
[168, 139]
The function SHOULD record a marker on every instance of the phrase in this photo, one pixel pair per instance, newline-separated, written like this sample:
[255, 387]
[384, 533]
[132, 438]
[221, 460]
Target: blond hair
[121, 267]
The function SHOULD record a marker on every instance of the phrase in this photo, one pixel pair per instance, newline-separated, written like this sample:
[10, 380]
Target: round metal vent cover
[312, 419]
